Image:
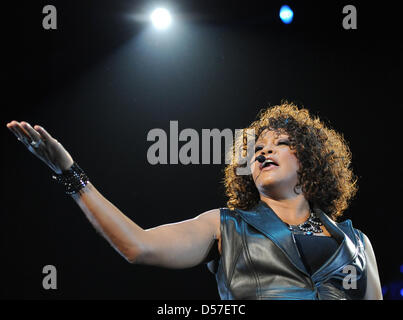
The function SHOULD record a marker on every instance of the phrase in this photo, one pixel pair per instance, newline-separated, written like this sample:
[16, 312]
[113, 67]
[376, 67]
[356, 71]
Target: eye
[258, 148]
[284, 142]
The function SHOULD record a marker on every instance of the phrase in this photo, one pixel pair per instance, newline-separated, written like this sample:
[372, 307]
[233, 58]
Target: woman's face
[279, 177]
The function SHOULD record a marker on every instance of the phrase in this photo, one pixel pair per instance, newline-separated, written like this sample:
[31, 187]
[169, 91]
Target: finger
[35, 136]
[19, 128]
[18, 133]
[14, 131]
[10, 127]
[43, 133]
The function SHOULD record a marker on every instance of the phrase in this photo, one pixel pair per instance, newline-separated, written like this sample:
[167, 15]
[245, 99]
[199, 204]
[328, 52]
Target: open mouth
[269, 163]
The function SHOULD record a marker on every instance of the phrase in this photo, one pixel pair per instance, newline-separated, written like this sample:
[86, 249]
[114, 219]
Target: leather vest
[260, 260]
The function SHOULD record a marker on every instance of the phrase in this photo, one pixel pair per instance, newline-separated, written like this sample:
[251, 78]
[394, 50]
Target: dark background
[102, 81]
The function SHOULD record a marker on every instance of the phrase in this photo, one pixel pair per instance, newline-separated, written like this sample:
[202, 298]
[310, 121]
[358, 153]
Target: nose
[266, 150]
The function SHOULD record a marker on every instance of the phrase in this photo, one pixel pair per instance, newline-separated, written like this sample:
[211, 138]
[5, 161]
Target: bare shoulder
[212, 218]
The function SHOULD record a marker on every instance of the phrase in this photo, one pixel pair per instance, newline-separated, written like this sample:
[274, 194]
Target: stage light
[161, 18]
[286, 14]
[401, 292]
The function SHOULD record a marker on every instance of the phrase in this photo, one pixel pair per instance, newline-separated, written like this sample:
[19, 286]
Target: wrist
[67, 165]
[73, 179]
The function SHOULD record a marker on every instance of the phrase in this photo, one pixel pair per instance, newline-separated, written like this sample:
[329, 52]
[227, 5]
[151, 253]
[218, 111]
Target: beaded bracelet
[73, 179]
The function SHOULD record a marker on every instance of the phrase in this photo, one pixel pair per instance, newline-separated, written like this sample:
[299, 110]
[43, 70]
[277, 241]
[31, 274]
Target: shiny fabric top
[260, 260]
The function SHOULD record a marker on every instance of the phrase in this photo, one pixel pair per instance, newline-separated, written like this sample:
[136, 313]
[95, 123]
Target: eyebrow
[281, 136]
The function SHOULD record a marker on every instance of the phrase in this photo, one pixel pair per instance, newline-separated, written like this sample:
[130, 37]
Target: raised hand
[42, 145]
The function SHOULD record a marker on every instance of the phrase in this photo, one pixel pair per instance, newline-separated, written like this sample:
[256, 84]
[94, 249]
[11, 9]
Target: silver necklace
[309, 227]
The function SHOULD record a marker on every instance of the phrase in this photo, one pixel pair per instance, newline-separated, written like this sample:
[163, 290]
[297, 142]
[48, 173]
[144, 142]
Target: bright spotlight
[161, 18]
[286, 14]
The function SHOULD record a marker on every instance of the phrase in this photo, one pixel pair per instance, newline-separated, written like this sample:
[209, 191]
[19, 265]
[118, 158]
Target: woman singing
[277, 238]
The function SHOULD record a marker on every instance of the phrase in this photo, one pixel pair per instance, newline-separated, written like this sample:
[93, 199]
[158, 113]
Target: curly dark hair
[325, 176]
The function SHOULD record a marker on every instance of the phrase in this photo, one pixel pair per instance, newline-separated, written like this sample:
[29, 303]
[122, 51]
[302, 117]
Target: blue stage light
[384, 290]
[286, 14]
[401, 292]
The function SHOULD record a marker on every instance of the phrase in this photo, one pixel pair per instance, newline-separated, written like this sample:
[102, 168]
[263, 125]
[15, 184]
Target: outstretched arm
[177, 245]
